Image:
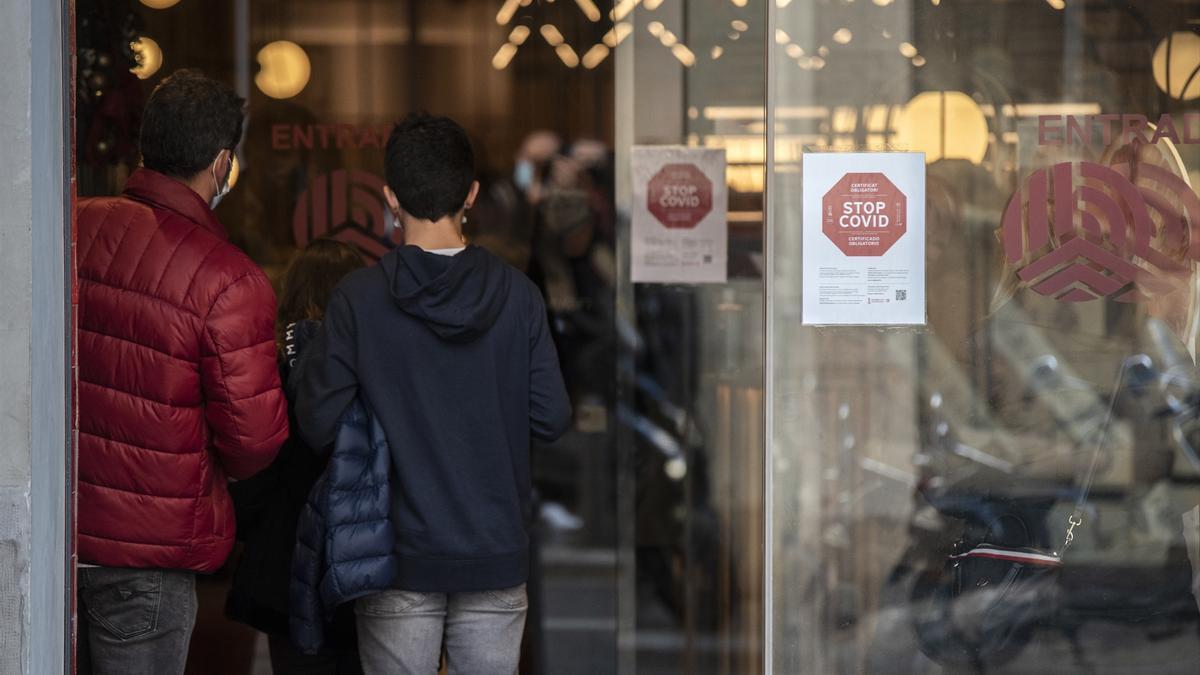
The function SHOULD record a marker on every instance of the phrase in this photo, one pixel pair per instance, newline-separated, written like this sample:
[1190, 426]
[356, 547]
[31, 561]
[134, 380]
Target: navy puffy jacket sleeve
[325, 379]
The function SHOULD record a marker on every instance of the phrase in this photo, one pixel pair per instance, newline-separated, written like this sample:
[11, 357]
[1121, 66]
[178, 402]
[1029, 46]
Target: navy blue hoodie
[454, 356]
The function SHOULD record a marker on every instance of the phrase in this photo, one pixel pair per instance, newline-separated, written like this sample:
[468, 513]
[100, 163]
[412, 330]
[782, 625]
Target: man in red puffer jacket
[178, 384]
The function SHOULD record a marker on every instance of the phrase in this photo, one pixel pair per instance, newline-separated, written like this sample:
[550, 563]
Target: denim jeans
[404, 631]
[135, 622]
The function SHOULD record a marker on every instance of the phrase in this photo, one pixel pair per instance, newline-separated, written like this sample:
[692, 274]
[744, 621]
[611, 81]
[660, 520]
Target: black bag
[991, 598]
[987, 604]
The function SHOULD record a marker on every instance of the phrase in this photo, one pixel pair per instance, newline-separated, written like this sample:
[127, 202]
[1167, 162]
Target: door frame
[52, 361]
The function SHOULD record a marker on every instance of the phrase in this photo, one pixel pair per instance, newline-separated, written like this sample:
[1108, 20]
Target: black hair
[430, 166]
[188, 120]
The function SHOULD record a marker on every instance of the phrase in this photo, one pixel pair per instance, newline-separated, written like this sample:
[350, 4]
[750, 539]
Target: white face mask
[523, 174]
[222, 187]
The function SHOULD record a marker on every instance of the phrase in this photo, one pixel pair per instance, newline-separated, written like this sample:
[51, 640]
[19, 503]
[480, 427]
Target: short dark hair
[430, 165]
[189, 119]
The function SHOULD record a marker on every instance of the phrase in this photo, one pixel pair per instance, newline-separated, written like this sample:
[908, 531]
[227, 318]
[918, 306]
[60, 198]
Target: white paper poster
[680, 226]
[864, 239]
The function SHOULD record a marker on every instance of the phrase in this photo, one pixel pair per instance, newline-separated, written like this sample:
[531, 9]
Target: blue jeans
[135, 622]
[404, 632]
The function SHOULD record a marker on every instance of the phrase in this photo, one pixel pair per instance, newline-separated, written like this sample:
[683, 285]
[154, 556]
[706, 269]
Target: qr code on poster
[901, 295]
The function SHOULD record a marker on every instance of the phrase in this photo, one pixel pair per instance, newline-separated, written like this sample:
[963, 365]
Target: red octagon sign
[864, 214]
[680, 196]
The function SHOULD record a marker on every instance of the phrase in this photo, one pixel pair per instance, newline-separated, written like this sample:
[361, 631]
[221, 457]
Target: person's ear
[472, 195]
[392, 202]
[222, 167]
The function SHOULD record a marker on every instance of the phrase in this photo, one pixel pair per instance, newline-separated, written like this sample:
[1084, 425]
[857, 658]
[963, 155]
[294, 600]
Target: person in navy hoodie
[449, 348]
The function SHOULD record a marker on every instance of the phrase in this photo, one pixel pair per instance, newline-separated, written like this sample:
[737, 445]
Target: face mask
[523, 174]
[222, 186]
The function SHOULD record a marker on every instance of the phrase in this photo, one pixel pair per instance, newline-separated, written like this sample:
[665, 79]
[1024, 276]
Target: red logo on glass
[864, 214]
[679, 196]
[1080, 231]
[347, 206]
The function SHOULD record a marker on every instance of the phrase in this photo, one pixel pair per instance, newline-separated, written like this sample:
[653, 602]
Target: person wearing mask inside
[269, 505]
[178, 386]
[510, 204]
[450, 349]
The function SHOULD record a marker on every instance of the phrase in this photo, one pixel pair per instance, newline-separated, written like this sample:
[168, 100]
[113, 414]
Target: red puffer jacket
[178, 381]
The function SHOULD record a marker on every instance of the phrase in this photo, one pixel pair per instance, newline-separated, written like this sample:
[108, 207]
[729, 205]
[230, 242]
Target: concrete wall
[33, 311]
[16, 328]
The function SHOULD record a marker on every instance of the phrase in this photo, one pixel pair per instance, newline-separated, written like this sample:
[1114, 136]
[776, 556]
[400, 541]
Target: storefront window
[746, 489]
[918, 472]
[649, 525]
[325, 82]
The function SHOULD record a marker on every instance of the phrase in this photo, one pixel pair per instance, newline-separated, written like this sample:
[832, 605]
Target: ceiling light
[507, 11]
[590, 10]
[235, 172]
[551, 35]
[685, 55]
[623, 8]
[595, 55]
[519, 35]
[567, 55]
[1181, 50]
[618, 34]
[148, 55]
[504, 56]
[943, 125]
[284, 69]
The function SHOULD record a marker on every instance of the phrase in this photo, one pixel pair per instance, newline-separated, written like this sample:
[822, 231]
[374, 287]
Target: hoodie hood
[459, 297]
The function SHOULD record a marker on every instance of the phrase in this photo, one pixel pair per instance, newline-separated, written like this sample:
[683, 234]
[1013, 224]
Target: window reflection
[895, 451]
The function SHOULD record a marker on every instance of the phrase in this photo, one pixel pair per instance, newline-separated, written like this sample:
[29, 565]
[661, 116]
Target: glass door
[1012, 485]
[648, 531]
[690, 79]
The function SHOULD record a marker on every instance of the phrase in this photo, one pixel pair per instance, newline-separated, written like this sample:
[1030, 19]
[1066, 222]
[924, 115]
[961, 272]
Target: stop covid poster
[864, 239]
[680, 215]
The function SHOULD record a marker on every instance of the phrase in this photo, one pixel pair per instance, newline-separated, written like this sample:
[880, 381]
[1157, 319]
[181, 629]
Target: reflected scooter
[966, 493]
